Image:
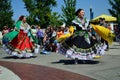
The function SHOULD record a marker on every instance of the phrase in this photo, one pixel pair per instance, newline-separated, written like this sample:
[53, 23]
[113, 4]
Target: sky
[98, 7]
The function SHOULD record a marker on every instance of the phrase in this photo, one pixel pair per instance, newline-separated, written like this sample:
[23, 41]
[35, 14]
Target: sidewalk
[36, 72]
[6, 74]
[105, 68]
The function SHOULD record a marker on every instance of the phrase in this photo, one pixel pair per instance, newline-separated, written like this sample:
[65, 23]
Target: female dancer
[81, 44]
[19, 43]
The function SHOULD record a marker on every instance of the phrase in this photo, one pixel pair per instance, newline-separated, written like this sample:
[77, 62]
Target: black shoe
[76, 60]
[107, 49]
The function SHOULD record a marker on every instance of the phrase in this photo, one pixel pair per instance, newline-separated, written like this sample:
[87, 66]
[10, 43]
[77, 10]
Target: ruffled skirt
[81, 46]
[21, 46]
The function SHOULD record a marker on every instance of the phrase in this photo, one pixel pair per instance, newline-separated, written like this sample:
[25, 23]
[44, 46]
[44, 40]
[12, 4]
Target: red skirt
[22, 42]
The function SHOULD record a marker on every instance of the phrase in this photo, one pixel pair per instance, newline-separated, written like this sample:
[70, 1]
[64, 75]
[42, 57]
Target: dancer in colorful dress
[19, 43]
[81, 44]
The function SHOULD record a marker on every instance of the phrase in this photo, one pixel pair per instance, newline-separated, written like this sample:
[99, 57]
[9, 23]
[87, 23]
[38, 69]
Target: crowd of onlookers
[3, 32]
[117, 33]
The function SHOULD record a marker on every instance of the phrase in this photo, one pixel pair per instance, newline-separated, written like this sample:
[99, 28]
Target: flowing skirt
[20, 46]
[81, 46]
[9, 36]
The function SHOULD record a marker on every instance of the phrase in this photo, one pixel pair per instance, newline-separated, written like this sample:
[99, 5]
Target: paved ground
[37, 72]
[6, 74]
[106, 68]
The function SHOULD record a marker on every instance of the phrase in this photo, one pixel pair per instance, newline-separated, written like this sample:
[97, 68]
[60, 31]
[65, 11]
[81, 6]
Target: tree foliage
[6, 14]
[115, 11]
[68, 9]
[40, 11]
[55, 19]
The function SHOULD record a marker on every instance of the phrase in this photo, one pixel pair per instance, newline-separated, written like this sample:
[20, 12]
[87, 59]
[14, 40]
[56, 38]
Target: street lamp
[91, 13]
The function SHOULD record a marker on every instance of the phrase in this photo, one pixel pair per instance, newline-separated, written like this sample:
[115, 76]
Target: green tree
[55, 19]
[40, 11]
[115, 11]
[68, 9]
[6, 14]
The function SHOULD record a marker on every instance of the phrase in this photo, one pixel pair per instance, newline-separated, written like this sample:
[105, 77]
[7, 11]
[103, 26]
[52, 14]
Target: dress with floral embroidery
[20, 45]
[81, 44]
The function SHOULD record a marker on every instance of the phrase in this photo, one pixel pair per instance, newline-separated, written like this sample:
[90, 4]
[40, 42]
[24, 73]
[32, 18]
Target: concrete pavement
[106, 68]
[6, 74]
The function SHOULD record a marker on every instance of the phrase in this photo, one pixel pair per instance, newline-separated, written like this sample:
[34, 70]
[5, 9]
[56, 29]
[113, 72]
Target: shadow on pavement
[72, 62]
[114, 48]
[15, 57]
[116, 45]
